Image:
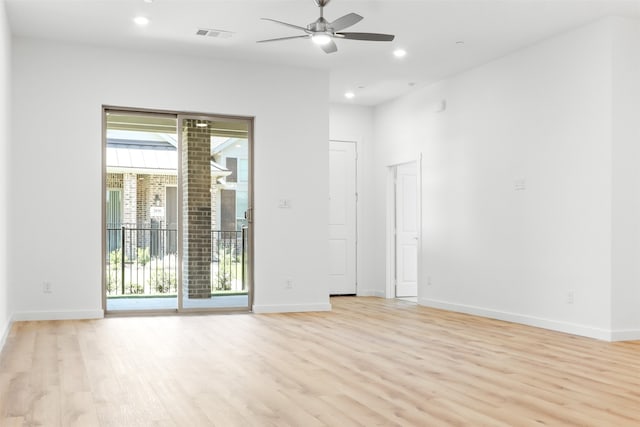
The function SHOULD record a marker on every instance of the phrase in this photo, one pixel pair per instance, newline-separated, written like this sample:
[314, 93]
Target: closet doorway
[343, 224]
[404, 231]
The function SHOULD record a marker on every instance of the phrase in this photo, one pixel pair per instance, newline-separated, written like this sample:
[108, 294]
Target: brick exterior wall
[114, 180]
[136, 211]
[196, 211]
[147, 188]
[142, 214]
[129, 205]
[129, 198]
[150, 186]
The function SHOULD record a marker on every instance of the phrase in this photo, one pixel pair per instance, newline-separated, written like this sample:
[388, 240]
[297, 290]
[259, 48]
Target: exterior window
[232, 165]
[114, 208]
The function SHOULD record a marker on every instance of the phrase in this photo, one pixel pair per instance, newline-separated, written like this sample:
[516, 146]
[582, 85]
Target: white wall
[355, 123]
[543, 116]
[626, 180]
[5, 120]
[56, 156]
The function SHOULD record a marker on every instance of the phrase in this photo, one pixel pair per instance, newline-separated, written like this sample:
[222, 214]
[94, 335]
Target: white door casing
[406, 226]
[342, 218]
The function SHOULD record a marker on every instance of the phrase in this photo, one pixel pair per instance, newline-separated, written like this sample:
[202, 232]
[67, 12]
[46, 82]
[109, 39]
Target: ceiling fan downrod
[320, 24]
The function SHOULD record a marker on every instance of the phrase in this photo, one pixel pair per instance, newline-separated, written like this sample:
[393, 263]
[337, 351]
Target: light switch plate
[284, 204]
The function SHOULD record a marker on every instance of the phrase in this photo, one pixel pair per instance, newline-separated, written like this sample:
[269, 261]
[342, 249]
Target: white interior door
[406, 213]
[342, 218]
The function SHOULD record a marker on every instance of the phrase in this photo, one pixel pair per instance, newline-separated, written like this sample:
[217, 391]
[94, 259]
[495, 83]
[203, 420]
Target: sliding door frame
[178, 115]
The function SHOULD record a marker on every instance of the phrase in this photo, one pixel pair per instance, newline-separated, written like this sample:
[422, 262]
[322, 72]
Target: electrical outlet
[47, 288]
[288, 284]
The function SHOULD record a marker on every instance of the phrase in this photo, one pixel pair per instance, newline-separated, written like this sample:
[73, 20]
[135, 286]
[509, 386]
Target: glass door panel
[141, 172]
[215, 199]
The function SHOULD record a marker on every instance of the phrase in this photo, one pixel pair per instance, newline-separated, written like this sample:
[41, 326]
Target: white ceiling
[428, 29]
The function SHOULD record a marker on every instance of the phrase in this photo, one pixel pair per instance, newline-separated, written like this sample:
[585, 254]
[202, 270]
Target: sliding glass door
[177, 227]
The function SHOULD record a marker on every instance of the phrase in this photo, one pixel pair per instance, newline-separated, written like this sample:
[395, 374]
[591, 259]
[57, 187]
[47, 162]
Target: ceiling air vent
[207, 32]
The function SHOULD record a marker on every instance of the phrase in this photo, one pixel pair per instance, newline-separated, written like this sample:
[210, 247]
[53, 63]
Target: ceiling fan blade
[346, 21]
[329, 47]
[374, 37]
[306, 36]
[285, 24]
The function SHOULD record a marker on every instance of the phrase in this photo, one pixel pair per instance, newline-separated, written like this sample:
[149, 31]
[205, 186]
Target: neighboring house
[142, 181]
[232, 195]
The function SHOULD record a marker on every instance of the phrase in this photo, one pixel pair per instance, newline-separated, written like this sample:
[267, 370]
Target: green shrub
[112, 283]
[228, 270]
[135, 288]
[164, 281]
[143, 256]
[115, 258]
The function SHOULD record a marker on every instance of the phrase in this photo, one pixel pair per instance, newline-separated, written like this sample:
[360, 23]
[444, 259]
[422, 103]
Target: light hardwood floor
[368, 362]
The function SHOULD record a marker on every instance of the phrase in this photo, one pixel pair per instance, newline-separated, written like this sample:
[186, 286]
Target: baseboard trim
[5, 333]
[554, 325]
[291, 308]
[58, 315]
[371, 293]
[625, 335]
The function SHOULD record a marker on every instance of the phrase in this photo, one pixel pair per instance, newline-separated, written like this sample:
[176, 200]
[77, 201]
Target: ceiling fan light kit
[321, 39]
[322, 32]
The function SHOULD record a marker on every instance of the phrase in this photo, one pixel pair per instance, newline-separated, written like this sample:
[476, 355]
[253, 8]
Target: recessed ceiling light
[399, 53]
[321, 39]
[141, 20]
[460, 42]
[349, 95]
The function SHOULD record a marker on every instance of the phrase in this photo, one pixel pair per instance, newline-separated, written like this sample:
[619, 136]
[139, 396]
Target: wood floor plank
[368, 362]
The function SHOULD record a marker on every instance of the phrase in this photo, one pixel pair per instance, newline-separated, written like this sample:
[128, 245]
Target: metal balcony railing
[144, 261]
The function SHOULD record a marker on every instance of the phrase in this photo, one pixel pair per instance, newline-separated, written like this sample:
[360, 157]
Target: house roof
[141, 160]
[148, 157]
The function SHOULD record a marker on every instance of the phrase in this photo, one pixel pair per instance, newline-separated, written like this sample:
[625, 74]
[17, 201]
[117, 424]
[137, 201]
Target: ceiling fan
[322, 32]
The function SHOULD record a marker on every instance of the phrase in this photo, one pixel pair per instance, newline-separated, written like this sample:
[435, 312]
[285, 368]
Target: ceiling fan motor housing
[320, 25]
